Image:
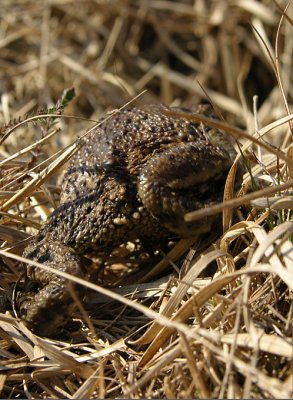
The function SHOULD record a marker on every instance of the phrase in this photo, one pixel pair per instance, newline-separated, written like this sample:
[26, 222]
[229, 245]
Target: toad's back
[130, 137]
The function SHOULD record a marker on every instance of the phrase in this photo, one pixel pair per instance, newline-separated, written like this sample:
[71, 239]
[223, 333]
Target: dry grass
[221, 325]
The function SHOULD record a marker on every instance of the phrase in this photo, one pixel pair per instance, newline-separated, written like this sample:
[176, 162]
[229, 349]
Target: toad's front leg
[184, 178]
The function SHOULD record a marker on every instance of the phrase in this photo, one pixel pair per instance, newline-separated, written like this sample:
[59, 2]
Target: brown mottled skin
[136, 176]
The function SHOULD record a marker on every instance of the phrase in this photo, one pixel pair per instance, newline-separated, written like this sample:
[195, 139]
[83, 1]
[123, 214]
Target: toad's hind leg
[182, 179]
[96, 221]
[45, 303]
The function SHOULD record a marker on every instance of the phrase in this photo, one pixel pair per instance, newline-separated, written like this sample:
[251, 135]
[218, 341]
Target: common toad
[136, 176]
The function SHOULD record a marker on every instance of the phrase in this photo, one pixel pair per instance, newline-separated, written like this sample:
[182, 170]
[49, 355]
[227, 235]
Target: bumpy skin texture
[136, 176]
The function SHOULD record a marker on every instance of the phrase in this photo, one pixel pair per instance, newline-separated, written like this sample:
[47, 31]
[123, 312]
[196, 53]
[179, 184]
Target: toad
[135, 177]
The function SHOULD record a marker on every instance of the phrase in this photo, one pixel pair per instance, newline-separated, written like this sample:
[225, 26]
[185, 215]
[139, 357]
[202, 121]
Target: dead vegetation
[212, 318]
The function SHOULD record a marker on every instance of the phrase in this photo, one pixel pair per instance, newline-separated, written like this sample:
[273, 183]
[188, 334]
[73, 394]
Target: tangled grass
[214, 316]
